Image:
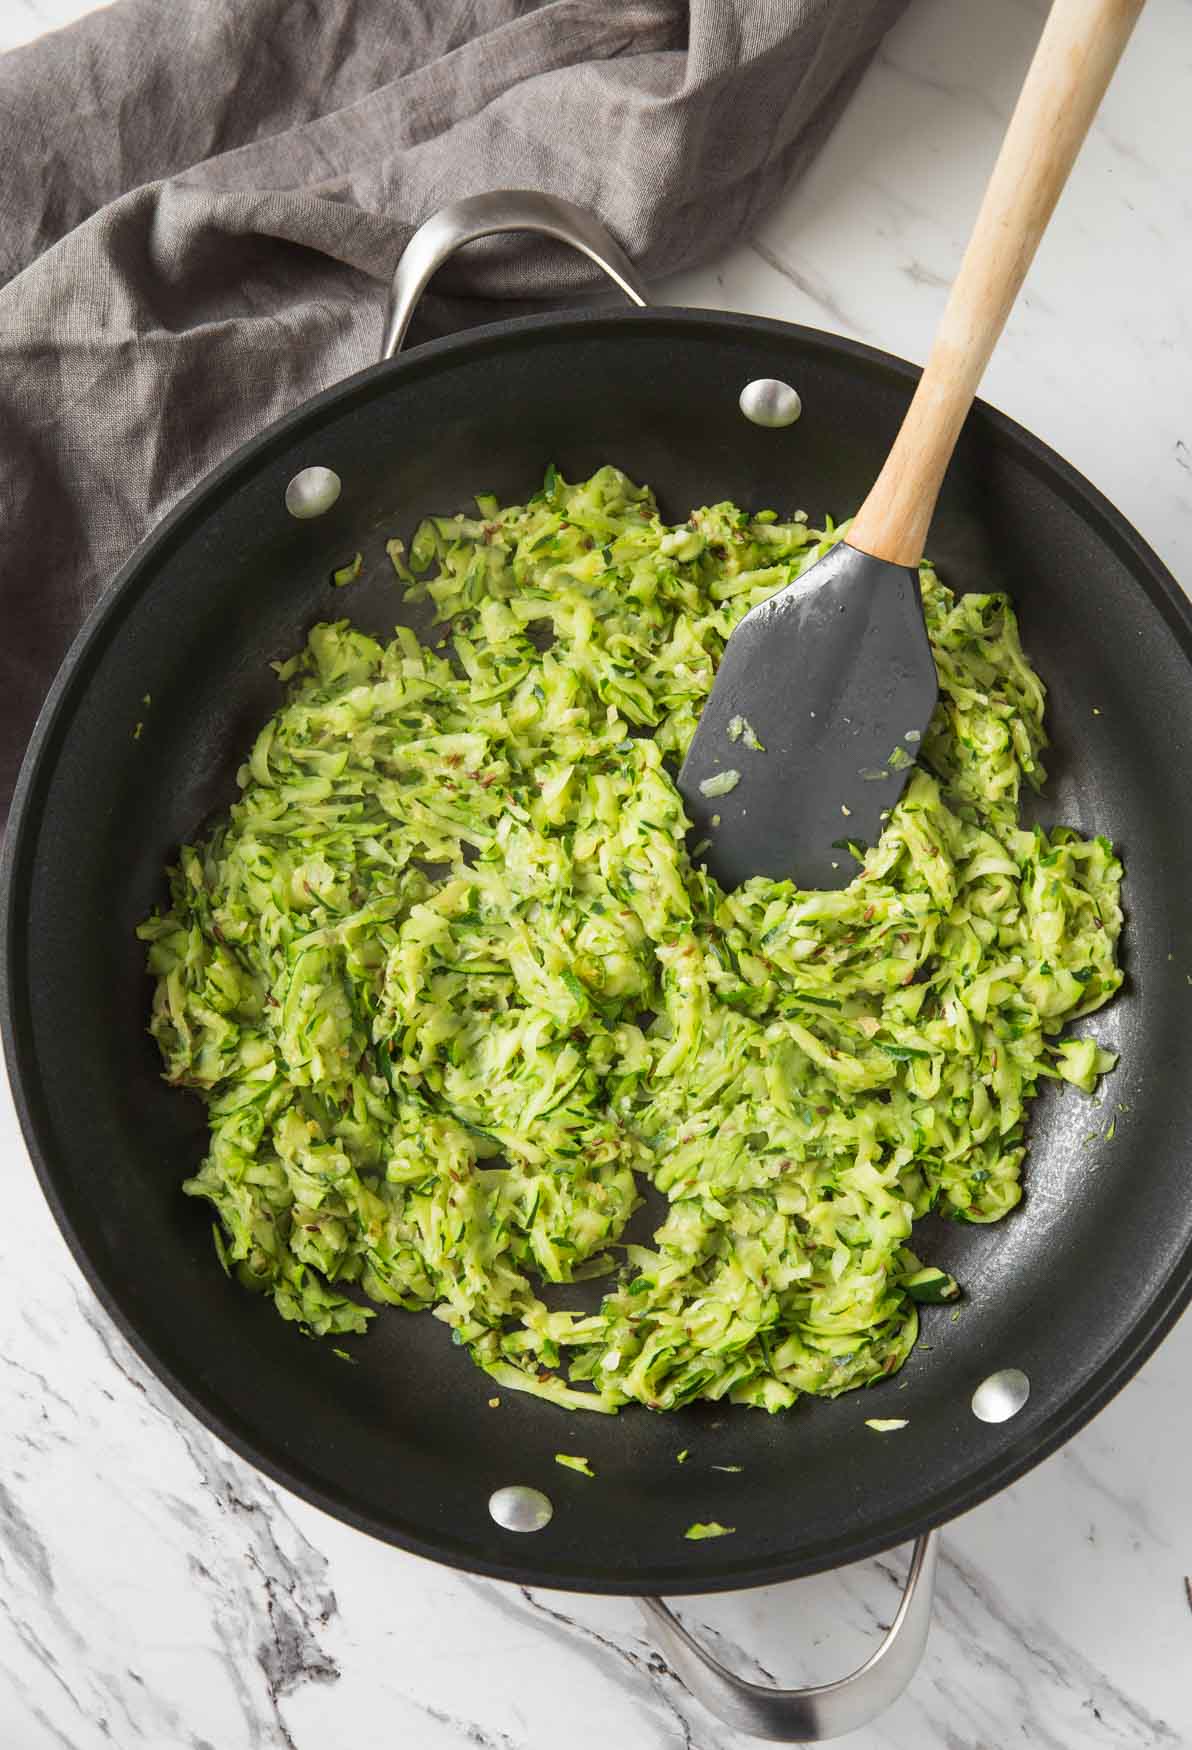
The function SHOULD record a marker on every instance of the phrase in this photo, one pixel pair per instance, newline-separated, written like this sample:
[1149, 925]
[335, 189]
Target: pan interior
[1071, 1289]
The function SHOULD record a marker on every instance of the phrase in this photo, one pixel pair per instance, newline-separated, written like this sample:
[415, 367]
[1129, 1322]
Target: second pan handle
[829, 1710]
[484, 215]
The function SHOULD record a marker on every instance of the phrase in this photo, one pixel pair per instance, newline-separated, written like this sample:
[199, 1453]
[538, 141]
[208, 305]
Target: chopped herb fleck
[348, 573]
[570, 1462]
[720, 783]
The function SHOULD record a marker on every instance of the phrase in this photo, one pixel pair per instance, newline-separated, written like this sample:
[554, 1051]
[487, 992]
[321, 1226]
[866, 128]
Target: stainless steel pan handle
[784, 1716]
[808, 1716]
[483, 215]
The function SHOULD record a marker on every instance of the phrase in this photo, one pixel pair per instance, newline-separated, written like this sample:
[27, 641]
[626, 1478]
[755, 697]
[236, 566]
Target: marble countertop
[158, 1592]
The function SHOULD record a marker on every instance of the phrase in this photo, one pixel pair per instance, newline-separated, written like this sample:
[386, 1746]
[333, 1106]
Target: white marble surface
[155, 1592]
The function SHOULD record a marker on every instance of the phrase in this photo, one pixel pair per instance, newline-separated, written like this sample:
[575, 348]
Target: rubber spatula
[833, 675]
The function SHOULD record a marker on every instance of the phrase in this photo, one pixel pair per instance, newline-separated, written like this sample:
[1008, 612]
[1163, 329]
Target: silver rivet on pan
[768, 402]
[312, 491]
[520, 1508]
[1002, 1395]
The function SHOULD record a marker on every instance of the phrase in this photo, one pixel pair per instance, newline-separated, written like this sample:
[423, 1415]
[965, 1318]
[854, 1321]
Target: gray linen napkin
[201, 202]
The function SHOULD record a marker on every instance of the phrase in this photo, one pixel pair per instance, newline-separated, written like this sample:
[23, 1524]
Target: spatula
[833, 676]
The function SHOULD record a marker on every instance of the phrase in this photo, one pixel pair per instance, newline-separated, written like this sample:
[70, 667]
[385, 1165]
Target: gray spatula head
[835, 678]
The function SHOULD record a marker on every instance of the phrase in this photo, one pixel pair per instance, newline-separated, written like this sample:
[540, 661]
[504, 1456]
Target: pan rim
[1154, 1319]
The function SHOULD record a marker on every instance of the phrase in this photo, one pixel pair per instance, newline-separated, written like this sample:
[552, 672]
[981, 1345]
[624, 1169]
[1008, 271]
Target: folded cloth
[202, 201]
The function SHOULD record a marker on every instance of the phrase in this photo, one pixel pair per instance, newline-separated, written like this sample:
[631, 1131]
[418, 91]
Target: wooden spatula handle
[1081, 44]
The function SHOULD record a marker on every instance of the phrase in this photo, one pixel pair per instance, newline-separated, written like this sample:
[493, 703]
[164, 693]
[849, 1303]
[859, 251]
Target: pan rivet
[768, 402]
[312, 491]
[520, 1508]
[1002, 1395]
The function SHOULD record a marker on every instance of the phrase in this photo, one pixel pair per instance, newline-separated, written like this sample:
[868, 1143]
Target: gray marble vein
[828, 303]
[662, 1697]
[467, 1731]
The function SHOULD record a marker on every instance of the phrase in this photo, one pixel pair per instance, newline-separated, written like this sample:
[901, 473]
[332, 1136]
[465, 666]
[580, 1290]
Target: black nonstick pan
[1072, 1291]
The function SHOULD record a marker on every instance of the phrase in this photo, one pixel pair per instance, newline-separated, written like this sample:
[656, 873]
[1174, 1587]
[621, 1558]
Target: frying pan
[1073, 1290]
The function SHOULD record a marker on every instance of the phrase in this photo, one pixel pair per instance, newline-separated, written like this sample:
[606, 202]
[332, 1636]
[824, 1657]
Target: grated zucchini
[452, 989]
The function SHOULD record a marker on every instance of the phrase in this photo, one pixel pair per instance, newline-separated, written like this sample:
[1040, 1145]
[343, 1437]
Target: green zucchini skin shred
[452, 989]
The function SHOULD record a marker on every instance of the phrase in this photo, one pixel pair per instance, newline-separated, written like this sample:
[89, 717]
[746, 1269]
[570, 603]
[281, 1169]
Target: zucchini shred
[453, 990]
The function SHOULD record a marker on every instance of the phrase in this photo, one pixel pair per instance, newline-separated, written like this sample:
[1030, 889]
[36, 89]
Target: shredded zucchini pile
[452, 989]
